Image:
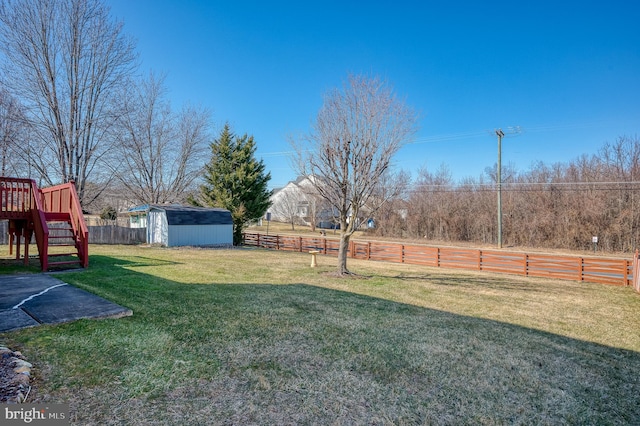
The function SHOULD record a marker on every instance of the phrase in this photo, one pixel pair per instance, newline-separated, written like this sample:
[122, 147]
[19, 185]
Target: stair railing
[64, 199]
[40, 226]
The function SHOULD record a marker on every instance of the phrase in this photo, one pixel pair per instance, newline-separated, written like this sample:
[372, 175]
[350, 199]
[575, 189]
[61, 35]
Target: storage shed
[176, 225]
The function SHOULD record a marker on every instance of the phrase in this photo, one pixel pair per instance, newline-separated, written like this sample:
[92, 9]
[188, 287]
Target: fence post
[402, 253]
[479, 260]
[581, 269]
[636, 272]
[526, 265]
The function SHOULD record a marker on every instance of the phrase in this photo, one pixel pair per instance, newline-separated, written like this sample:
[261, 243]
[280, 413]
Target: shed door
[156, 228]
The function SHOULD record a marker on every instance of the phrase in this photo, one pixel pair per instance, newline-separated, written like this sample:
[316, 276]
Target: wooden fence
[636, 271]
[591, 269]
[108, 234]
[112, 234]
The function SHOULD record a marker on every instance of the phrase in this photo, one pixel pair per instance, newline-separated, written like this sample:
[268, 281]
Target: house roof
[188, 215]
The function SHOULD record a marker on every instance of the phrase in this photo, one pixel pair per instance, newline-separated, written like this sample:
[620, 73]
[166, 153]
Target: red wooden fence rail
[636, 272]
[577, 268]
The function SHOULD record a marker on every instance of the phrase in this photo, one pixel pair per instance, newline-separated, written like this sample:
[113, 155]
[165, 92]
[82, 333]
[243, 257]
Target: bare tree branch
[160, 152]
[356, 133]
[65, 61]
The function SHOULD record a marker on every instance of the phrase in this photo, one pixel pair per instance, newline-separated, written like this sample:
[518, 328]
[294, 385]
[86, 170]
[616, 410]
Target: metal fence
[592, 269]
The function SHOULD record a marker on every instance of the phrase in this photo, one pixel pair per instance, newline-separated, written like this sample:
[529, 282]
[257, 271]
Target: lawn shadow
[467, 279]
[301, 353]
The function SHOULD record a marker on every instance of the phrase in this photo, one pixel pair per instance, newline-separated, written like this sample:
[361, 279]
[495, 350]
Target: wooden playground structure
[52, 215]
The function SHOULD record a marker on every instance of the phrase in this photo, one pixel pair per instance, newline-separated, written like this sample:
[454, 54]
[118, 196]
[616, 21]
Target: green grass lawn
[250, 336]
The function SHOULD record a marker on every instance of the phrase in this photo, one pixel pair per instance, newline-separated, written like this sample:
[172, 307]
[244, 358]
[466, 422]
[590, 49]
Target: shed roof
[187, 215]
[140, 208]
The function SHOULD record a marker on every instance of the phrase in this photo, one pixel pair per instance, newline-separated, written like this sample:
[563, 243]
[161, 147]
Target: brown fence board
[510, 263]
[458, 258]
[421, 255]
[568, 268]
[385, 252]
[604, 271]
[597, 270]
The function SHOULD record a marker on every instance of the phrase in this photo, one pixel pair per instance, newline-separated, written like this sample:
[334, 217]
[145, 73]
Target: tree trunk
[343, 252]
[237, 234]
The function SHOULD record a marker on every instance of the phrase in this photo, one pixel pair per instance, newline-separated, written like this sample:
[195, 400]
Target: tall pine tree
[235, 180]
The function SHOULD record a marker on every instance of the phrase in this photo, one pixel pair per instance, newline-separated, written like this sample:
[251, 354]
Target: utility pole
[500, 135]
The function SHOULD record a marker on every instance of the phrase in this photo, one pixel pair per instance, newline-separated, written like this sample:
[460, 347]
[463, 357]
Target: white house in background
[298, 202]
[176, 225]
[291, 201]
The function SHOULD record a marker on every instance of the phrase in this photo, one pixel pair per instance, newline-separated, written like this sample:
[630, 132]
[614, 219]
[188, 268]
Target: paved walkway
[28, 300]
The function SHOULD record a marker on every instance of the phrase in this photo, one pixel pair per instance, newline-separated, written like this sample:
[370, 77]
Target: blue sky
[567, 73]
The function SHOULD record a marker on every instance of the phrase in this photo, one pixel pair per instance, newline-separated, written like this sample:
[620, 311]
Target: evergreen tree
[235, 180]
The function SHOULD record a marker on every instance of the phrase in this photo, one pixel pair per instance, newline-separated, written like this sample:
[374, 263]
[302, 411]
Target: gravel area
[15, 372]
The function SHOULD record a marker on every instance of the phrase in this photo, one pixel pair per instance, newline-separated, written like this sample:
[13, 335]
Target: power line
[509, 131]
[528, 186]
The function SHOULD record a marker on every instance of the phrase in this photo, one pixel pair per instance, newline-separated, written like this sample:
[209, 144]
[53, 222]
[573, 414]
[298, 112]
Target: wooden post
[636, 273]
[27, 240]
[17, 245]
[479, 260]
[581, 269]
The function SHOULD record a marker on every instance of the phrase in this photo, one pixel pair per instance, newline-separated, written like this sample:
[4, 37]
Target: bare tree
[12, 131]
[160, 152]
[315, 206]
[64, 60]
[390, 197]
[356, 134]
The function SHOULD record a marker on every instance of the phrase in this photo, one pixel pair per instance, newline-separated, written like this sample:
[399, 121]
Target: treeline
[562, 205]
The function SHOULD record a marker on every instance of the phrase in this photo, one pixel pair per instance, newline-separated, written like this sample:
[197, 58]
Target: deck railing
[16, 198]
[592, 269]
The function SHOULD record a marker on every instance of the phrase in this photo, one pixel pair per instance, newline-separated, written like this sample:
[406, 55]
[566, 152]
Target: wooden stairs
[53, 215]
